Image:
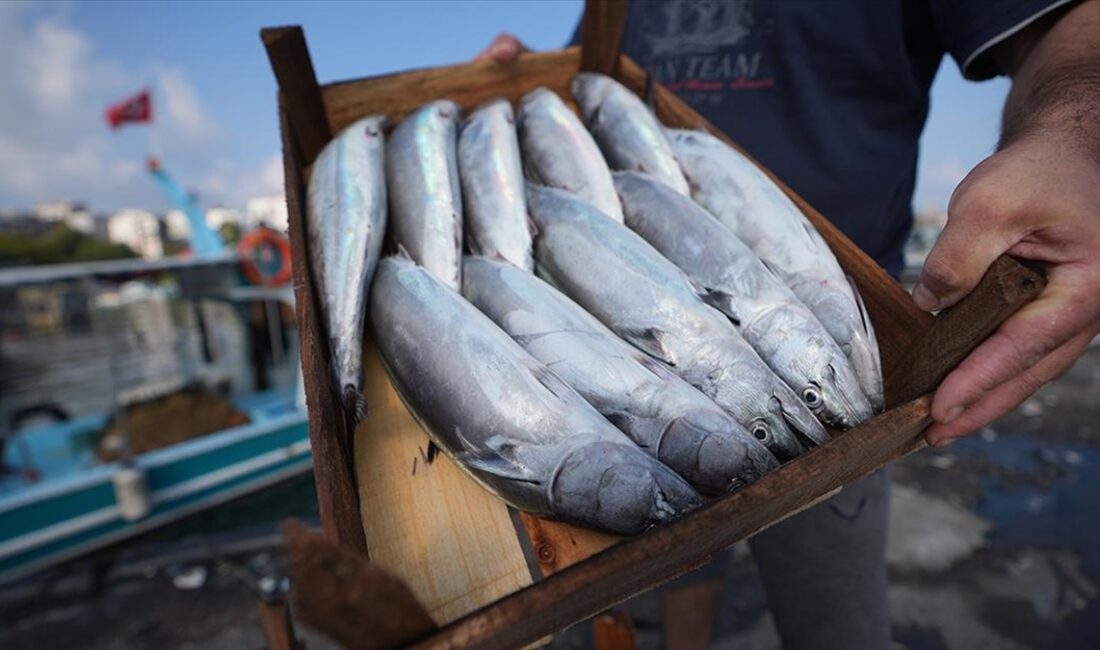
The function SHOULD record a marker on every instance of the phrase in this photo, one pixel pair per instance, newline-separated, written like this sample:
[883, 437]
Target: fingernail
[943, 442]
[952, 414]
[924, 298]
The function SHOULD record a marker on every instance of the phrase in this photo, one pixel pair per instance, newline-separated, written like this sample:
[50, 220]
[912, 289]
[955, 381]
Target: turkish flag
[136, 109]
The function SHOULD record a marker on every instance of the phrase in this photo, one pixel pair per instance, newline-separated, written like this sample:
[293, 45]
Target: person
[832, 97]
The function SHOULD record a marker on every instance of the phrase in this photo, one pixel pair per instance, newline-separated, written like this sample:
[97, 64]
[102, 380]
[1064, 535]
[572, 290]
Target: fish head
[833, 393]
[617, 487]
[776, 429]
[589, 90]
[713, 452]
[851, 329]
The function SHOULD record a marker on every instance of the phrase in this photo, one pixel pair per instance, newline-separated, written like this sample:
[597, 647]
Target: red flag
[136, 109]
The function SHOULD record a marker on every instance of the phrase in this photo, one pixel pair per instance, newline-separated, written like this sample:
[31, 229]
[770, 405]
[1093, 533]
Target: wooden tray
[464, 576]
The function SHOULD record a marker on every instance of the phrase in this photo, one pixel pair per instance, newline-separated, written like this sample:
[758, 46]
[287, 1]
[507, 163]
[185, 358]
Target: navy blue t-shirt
[829, 95]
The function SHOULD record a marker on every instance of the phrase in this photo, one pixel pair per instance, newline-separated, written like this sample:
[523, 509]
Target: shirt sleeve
[969, 29]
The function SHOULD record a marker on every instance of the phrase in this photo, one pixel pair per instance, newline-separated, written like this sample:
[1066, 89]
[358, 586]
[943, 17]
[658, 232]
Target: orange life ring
[258, 249]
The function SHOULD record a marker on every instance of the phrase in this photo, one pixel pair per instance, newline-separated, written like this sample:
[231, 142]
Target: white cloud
[272, 175]
[180, 103]
[54, 144]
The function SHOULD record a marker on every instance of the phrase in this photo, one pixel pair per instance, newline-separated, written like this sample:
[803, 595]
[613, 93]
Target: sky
[214, 95]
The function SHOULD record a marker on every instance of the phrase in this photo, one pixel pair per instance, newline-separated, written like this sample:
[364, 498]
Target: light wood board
[451, 540]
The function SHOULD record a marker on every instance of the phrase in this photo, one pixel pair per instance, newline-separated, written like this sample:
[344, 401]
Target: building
[269, 211]
[138, 229]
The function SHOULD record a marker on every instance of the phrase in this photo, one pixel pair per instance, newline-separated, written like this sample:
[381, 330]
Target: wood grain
[556, 545]
[337, 499]
[644, 562]
[468, 84]
[357, 604]
[293, 68]
[956, 331]
[426, 520]
[602, 35]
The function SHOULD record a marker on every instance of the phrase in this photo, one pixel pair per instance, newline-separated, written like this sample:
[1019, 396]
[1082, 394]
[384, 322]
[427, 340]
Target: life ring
[265, 257]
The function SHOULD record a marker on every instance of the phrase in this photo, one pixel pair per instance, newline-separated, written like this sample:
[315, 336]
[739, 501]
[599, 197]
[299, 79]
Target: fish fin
[403, 253]
[532, 227]
[623, 421]
[863, 316]
[772, 271]
[723, 301]
[550, 381]
[355, 405]
[648, 340]
[497, 466]
[652, 365]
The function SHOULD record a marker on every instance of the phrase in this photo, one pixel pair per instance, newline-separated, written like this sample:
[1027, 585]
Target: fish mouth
[618, 488]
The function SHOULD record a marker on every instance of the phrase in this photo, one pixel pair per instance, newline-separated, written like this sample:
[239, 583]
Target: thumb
[973, 238]
[505, 48]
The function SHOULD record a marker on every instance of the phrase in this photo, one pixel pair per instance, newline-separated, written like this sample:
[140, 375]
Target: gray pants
[824, 570]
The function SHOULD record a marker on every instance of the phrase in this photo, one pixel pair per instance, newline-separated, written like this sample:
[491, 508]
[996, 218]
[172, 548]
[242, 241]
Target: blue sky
[216, 124]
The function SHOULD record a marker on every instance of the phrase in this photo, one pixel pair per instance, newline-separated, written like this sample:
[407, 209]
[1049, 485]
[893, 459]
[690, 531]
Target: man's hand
[1038, 198]
[505, 48]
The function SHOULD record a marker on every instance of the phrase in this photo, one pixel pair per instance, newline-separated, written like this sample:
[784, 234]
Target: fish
[507, 419]
[782, 330]
[345, 227]
[650, 303]
[666, 417]
[741, 196]
[559, 152]
[424, 190]
[626, 130]
[489, 166]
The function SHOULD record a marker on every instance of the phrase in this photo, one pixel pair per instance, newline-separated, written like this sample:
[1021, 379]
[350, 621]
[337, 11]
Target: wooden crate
[464, 578]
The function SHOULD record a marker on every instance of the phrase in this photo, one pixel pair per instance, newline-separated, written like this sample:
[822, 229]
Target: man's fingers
[1062, 312]
[959, 259]
[505, 48]
[1010, 394]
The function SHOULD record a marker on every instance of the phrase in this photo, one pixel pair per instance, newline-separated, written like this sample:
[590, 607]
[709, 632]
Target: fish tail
[355, 405]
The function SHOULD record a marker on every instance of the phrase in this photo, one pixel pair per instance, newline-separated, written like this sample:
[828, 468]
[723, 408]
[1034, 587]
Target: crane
[204, 241]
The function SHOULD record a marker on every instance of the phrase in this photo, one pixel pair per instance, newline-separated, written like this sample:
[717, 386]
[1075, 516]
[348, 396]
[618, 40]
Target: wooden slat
[602, 35]
[1006, 287]
[643, 562]
[293, 68]
[468, 84]
[355, 603]
[337, 500]
[556, 545]
[425, 520]
[898, 322]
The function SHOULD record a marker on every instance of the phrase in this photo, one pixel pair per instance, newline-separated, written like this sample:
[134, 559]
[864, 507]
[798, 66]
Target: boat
[79, 481]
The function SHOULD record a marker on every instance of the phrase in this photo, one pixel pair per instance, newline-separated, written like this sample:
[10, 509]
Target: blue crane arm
[204, 241]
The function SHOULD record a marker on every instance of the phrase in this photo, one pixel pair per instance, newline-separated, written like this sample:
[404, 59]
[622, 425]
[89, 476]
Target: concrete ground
[993, 544]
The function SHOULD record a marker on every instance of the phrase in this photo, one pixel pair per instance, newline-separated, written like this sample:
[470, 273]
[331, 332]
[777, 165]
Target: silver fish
[345, 225]
[743, 198]
[621, 280]
[665, 416]
[506, 418]
[559, 152]
[425, 197]
[786, 335]
[628, 133]
[492, 185]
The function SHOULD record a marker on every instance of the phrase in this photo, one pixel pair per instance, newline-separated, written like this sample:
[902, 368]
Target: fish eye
[811, 396]
[759, 430]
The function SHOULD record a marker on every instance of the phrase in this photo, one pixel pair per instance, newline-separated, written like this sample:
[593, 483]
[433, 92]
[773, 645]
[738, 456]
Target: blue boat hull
[59, 520]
